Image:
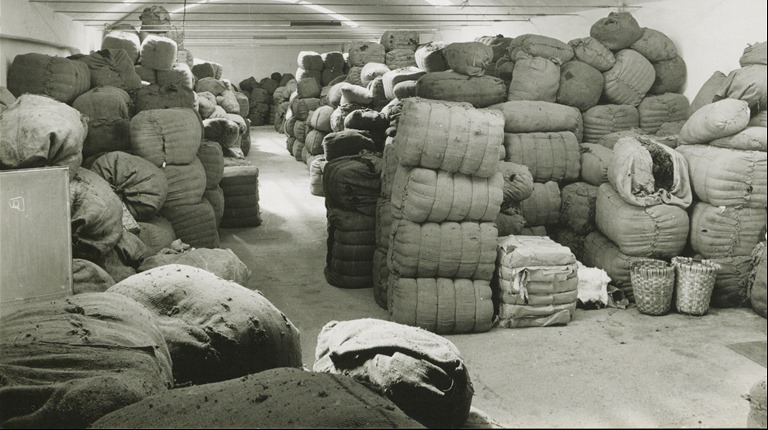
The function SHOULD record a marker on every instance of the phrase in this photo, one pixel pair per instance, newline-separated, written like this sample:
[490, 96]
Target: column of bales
[724, 143]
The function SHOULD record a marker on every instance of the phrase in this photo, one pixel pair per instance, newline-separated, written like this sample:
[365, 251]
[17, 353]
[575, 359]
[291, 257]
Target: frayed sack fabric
[158, 52]
[274, 398]
[670, 76]
[195, 224]
[593, 52]
[429, 57]
[656, 110]
[166, 136]
[421, 372]
[441, 305]
[361, 53]
[577, 208]
[443, 250]
[88, 277]
[109, 112]
[96, 215]
[215, 329]
[658, 231]
[647, 173]
[350, 246]
[468, 58]
[706, 93]
[722, 232]
[166, 96]
[536, 45]
[157, 233]
[111, 67]
[727, 177]
[595, 160]
[617, 31]
[600, 252]
[543, 206]
[68, 362]
[221, 262]
[479, 91]
[552, 156]
[425, 195]
[141, 185]
[536, 116]
[655, 46]
[608, 118]
[629, 80]
[580, 85]
[518, 183]
[353, 183]
[754, 53]
[60, 78]
[534, 78]
[125, 39]
[38, 131]
[399, 58]
[449, 136]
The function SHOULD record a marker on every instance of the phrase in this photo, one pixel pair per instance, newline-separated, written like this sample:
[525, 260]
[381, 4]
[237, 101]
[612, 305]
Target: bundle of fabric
[498, 44]
[524, 116]
[333, 66]
[399, 58]
[111, 67]
[592, 52]
[221, 262]
[429, 57]
[670, 76]
[157, 233]
[158, 52]
[166, 136]
[542, 208]
[518, 186]
[479, 91]
[536, 284]
[706, 93]
[630, 78]
[109, 112]
[194, 223]
[96, 215]
[59, 78]
[609, 118]
[580, 85]
[156, 96]
[38, 131]
[595, 160]
[212, 158]
[125, 257]
[125, 37]
[419, 371]
[361, 53]
[240, 182]
[757, 280]
[81, 358]
[89, 277]
[656, 110]
[215, 329]
[549, 156]
[534, 78]
[617, 31]
[316, 169]
[577, 208]
[350, 248]
[206, 69]
[747, 83]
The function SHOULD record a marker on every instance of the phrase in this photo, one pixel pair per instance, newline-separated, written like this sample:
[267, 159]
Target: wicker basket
[653, 282]
[694, 284]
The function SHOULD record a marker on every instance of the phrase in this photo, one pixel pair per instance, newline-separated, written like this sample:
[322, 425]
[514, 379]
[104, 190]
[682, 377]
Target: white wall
[243, 61]
[31, 27]
[710, 35]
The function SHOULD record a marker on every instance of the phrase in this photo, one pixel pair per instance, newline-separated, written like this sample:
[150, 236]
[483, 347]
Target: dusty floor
[606, 368]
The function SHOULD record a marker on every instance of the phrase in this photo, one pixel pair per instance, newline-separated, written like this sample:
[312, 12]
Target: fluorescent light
[438, 3]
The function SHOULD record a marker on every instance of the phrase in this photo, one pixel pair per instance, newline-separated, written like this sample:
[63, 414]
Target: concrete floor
[607, 368]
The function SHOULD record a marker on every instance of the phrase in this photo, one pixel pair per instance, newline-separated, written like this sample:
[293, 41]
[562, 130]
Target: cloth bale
[750, 139]
[534, 78]
[399, 39]
[429, 57]
[754, 53]
[600, 252]
[158, 52]
[748, 84]
[88, 277]
[96, 215]
[591, 51]
[397, 75]
[552, 156]
[595, 160]
[157, 233]
[670, 76]
[656, 110]
[580, 85]
[609, 118]
[722, 232]
[536, 45]
[59, 78]
[111, 67]
[543, 206]
[310, 60]
[629, 80]
[617, 31]
[194, 224]
[166, 96]
[479, 91]
[399, 58]
[222, 262]
[126, 39]
[468, 58]
[536, 116]
[353, 183]
[718, 119]
[109, 112]
[361, 53]
[655, 46]
[577, 208]
[518, 183]
[706, 93]
[350, 248]
[166, 136]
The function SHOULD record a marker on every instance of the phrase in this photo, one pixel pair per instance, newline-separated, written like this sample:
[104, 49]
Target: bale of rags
[206, 104]
[59, 78]
[216, 198]
[38, 131]
[468, 58]
[333, 60]
[176, 141]
[88, 277]
[126, 39]
[630, 78]
[510, 221]
[350, 248]
[537, 116]
[317, 75]
[715, 120]
[157, 233]
[433, 304]
[353, 183]
[399, 58]
[226, 133]
[186, 183]
[498, 44]
[285, 398]
[228, 101]
[479, 91]
[543, 206]
[655, 46]
[706, 93]
[429, 57]
[158, 52]
[748, 84]
[215, 329]
[399, 39]
[179, 74]
[166, 96]
[617, 31]
[405, 89]
[659, 231]
[591, 51]
[718, 232]
[316, 169]
[658, 109]
[534, 78]
[754, 53]
[670, 76]
[340, 114]
[409, 365]
[141, 186]
[577, 208]
[321, 118]
[123, 259]
[536, 45]
[109, 112]
[609, 140]
[222, 262]
[751, 138]
[211, 85]
[355, 94]
[310, 60]
[595, 160]
[83, 357]
[308, 87]
[372, 70]
[580, 85]
[518, 183]
[450, 145]
[361, 53]
[757, 280]
[395, 76]
[551, 156]
[206, 69]
[111, 67]
[608, 118]
[731, 289]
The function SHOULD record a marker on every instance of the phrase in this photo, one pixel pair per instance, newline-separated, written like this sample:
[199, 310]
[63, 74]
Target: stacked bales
[281, 101]
[310, 65]
[333, 67]
[446, 195]
[240, 185]
[125, 37]
[399, 48]
[211, 157]
[306, 101]
[111, 67]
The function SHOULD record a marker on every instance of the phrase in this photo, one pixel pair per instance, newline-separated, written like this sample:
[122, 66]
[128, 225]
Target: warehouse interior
[119, 331]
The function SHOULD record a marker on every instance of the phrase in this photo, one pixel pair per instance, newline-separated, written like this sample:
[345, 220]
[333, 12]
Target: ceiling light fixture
[439, 3]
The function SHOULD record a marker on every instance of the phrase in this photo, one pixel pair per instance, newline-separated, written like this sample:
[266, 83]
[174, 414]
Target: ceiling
[221, 21]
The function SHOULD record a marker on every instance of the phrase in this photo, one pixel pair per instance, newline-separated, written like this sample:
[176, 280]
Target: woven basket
[653, 282]
[694, 284]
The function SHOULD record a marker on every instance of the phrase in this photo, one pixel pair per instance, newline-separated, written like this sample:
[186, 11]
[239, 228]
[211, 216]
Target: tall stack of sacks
[536, 282]
[156, 53]
[310, 65]
[240, 185]
[318, 126]
[260, 97]
[466, 81]
[446, 195]
[220, 110]
[727, 163]
[281, 99]
[351, 185]
[170, 139]
[399, 47]
[307, 100]
[642, 209]
[211, 156]
[361, 53]
[536, 74]
[544, 137]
